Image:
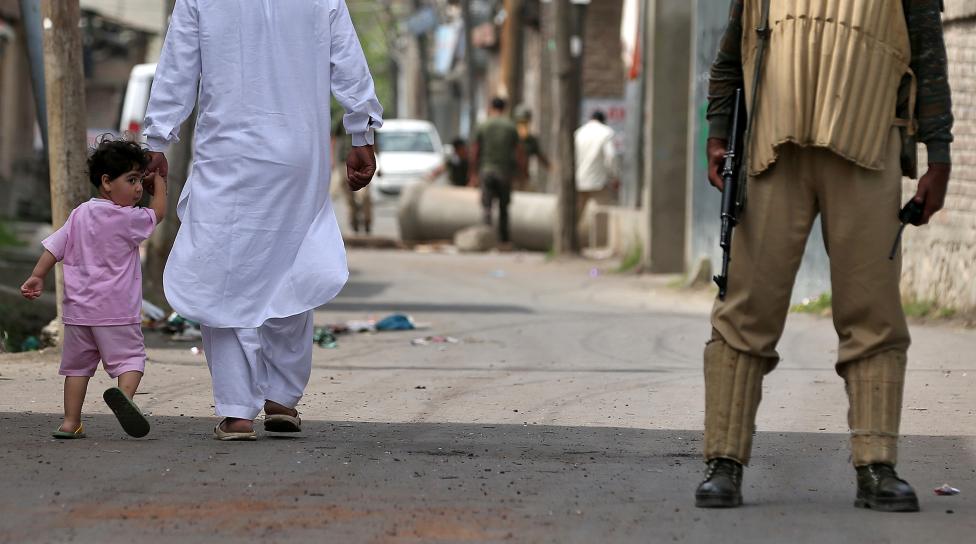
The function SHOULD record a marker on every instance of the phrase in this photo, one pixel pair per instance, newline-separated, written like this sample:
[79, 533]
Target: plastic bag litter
[946, 490]
[396, 322]
[434, 340]
[151, 312]
[324, 338]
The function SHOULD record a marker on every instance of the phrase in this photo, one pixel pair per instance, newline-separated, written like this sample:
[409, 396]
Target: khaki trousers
[859, 214]
[859, 217]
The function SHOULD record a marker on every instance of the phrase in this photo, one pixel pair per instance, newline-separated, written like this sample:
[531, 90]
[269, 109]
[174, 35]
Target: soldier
[835, 124]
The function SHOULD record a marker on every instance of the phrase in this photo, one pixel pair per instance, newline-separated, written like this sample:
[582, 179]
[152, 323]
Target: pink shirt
[99, 247]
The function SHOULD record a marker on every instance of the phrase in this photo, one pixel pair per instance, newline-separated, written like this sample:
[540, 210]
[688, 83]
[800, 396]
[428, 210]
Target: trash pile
[178, 327]
[328, 336]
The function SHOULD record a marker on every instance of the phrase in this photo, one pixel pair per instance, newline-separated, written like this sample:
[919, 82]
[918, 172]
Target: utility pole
[65, 96]
[179, 156]
[565, 239]
[422, 97]
[471, 84]
[511, 52]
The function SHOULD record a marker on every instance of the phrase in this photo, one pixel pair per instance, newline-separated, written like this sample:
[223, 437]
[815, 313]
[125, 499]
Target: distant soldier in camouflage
[846, 89]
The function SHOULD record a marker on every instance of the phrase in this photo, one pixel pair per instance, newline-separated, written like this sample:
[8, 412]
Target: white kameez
[258, 238]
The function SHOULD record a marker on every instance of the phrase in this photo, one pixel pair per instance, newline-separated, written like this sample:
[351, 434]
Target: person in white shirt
[596, 162]
[259, 247]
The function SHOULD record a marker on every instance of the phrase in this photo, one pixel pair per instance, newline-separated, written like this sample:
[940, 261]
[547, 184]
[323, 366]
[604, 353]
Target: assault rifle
[732, 188]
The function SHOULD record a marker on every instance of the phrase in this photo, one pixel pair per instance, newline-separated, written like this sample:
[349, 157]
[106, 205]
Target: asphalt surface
[569, 410]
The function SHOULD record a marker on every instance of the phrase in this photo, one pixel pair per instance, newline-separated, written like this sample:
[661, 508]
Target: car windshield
[404, 142]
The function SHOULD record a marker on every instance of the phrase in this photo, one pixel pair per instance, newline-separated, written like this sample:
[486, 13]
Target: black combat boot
[880, 488]
[722, 487]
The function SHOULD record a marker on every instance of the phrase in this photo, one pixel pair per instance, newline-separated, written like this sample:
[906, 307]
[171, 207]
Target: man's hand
[32, 288]
[932, 190]
[157, 165]
[360, 167]
[716, 156]
[474, 180]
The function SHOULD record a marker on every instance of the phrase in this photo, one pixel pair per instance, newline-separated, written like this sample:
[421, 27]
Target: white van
[136, 100]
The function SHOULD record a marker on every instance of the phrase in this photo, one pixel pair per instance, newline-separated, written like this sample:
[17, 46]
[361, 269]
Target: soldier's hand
[716, 156]
[360, 167]
[932, 190]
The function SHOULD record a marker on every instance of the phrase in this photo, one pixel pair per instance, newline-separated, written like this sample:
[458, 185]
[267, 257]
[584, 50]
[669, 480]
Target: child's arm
[34, 285]
[158, 202]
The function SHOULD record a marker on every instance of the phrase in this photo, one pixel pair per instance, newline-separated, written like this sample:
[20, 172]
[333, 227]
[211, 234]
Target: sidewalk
[570, 411]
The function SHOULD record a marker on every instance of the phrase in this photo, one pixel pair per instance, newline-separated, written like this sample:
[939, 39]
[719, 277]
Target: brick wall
[940, 259]
[604, 74]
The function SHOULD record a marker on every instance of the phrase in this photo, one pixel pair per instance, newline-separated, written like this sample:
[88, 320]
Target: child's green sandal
[79, 433]
[129, 415]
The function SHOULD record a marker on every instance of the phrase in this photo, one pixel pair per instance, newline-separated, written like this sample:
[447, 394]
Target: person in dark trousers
[456, 165]
[496, 157]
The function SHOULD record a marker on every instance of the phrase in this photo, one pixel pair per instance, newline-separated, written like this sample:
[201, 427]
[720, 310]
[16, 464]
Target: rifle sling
[763, 31]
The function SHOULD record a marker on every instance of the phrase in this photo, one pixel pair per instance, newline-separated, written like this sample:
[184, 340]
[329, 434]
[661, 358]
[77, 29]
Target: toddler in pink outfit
[99, 249]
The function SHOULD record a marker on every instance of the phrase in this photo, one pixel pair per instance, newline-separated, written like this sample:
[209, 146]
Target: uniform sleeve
[352, 84]
[726, 75]
[142, 223]
[57, 242]
[176, 83]
[933, 108]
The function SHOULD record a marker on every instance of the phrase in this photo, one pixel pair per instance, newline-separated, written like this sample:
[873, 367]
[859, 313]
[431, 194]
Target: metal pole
[472, 77]
[565, 239]
[30, 11]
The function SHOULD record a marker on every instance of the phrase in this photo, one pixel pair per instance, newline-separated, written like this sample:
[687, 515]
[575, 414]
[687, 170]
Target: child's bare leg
[129, 382]
[75, 388]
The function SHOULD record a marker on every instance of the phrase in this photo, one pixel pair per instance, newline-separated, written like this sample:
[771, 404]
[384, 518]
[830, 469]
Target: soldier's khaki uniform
[827, 139]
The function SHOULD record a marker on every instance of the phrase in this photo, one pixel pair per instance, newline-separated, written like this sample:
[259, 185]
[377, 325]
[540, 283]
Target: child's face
[125, 190]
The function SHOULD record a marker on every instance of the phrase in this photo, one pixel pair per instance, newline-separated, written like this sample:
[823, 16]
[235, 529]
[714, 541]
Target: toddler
[99, 248]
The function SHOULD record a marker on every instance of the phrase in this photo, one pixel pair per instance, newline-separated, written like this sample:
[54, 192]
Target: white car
[136, 100]
[407, 152]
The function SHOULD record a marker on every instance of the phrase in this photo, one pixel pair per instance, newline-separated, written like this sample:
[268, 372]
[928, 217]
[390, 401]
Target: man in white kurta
[258, 247]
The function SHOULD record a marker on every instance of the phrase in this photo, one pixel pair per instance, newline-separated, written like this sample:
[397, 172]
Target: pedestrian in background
[827, 139]
[496, 157]
[258, 247]
[102, 309]
[530, 146]
[456, 165]
[596, 162]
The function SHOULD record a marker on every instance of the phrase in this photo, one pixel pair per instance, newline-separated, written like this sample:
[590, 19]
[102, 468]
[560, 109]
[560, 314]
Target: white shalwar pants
[249, 366]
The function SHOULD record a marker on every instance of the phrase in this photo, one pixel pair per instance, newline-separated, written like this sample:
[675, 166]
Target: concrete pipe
[436, 212]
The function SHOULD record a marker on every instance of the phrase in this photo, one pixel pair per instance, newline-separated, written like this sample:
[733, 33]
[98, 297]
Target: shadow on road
[445, 482]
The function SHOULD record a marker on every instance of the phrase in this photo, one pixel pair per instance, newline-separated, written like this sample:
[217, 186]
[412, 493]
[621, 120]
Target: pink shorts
[121, 348]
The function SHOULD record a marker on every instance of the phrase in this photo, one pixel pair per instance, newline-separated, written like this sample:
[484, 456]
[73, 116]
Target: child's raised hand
[152, 181]
[32, 288]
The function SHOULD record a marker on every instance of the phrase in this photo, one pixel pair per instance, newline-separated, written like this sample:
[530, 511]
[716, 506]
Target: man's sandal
[129, 416]
[227, 436]
[65, 435]
[282, 423]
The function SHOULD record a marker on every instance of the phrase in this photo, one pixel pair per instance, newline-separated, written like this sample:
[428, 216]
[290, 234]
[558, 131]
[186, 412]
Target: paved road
[570, 411]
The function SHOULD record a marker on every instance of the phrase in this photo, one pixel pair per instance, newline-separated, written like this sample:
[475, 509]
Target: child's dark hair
[114, 157]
